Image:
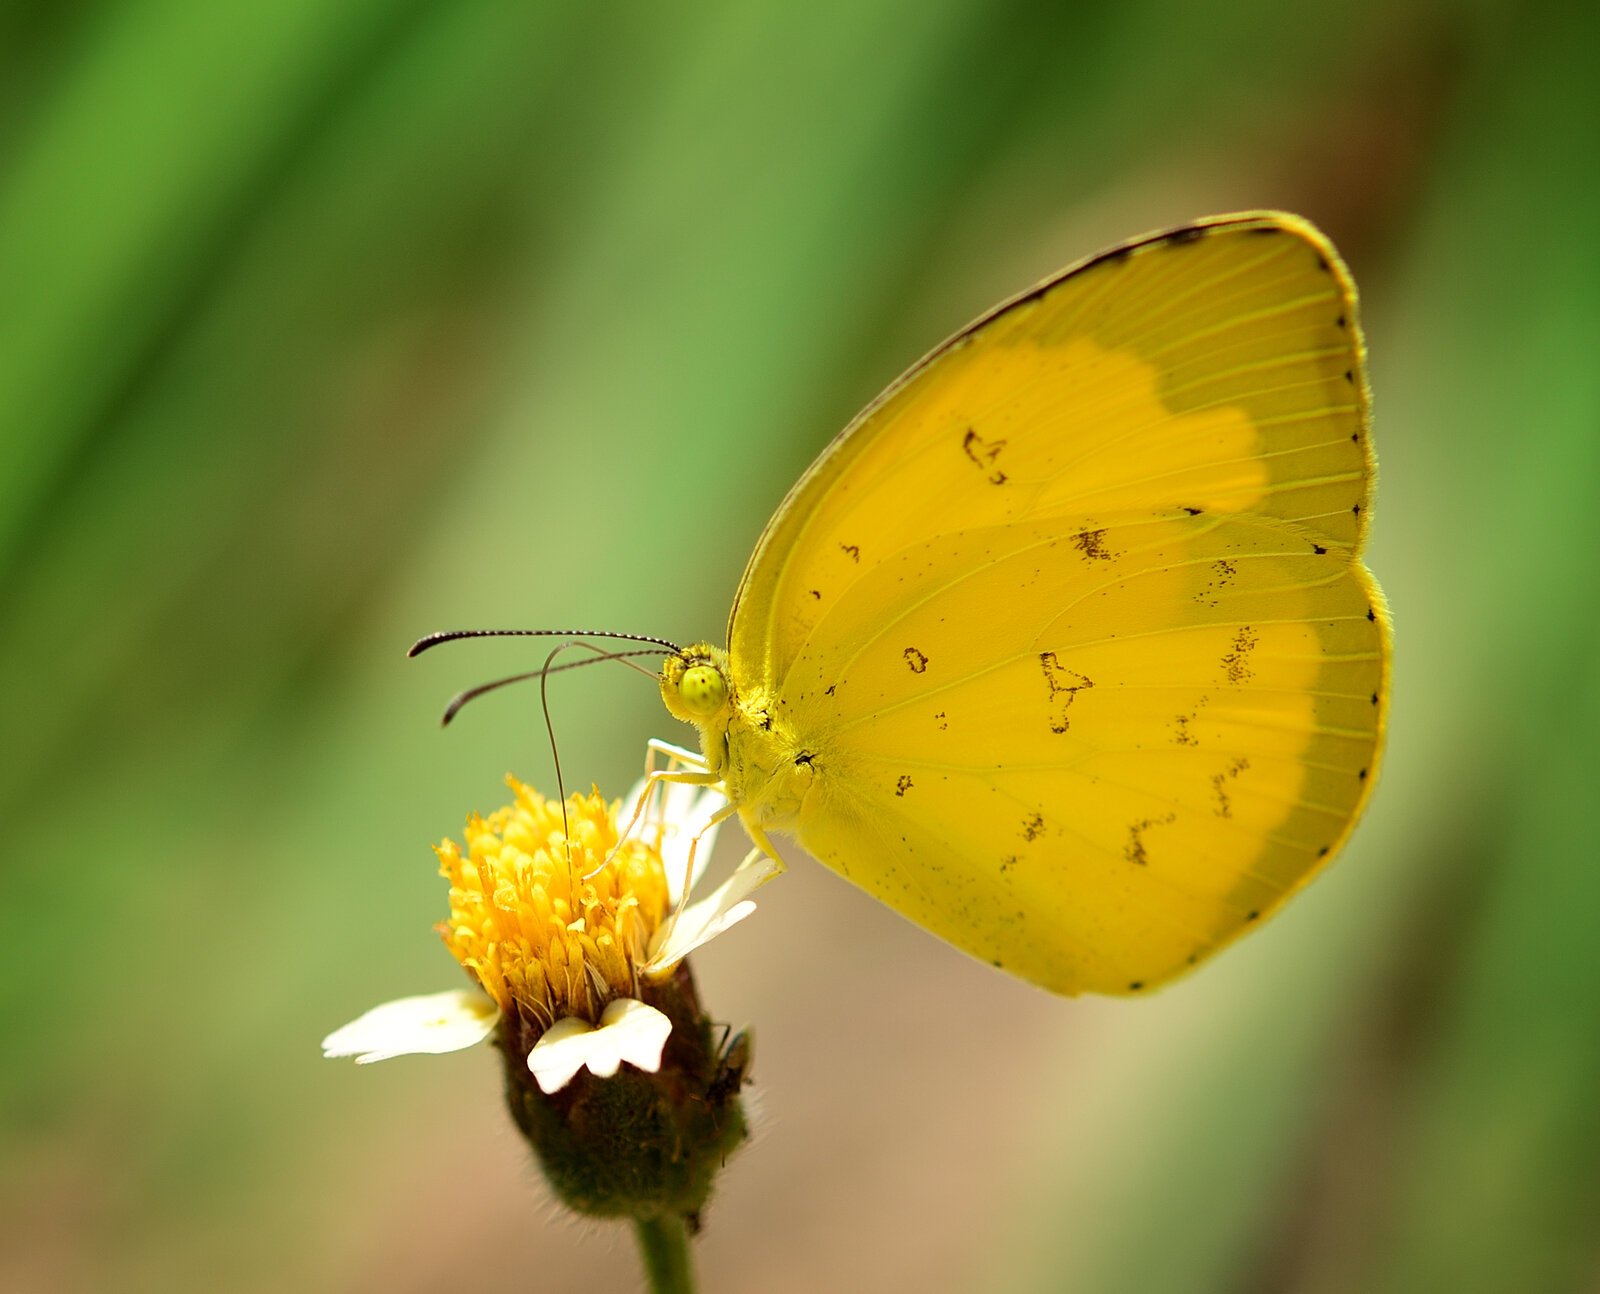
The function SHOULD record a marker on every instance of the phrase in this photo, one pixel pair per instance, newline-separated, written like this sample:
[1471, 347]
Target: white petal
[705, 919]
[628, 1031]
[684, 811]
[556, 1057]
[426, 1025]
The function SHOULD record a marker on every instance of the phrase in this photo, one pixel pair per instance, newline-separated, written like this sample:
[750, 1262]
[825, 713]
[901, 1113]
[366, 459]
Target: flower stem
[664, 1246]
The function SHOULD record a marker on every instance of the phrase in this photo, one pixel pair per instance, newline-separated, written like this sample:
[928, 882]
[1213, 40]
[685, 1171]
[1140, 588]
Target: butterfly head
[694, 685]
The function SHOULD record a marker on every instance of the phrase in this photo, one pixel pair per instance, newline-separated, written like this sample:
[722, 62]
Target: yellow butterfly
[1064, 648]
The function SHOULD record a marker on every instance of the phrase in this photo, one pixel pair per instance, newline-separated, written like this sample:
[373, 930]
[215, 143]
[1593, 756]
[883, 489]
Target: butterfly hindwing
[1130, 758]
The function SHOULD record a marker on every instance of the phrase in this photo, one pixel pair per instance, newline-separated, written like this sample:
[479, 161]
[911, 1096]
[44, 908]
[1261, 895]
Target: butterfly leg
[676, 755]
[715, 820]
[652, 779]
[684, 767]
[764, 849]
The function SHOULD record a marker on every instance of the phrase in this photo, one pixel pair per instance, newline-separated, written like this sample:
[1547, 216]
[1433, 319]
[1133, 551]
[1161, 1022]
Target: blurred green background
[325, 325]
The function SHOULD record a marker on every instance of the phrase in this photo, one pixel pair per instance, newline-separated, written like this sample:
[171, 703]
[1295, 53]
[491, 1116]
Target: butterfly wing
[1073, 619]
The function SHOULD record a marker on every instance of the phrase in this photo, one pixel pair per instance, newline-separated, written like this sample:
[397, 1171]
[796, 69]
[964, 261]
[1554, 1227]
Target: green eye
[703, 689]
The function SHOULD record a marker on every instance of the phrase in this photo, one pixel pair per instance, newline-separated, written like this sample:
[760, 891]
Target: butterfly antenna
[472, 693]
[574, 638]
[555, 750]
[428, 641]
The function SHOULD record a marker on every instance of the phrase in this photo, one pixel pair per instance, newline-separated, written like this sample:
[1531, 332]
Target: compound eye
[703, 689]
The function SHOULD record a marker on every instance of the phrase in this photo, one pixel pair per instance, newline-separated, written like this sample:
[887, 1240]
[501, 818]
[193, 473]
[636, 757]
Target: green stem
[664, 1246]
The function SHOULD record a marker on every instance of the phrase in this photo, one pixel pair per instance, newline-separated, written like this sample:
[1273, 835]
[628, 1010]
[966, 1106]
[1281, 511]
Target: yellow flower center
[536, 934]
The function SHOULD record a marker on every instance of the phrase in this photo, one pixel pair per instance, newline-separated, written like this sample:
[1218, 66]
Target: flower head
[566, 918]
[552, 913]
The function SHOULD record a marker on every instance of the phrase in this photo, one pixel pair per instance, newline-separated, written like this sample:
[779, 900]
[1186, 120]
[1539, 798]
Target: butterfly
[1064, 648]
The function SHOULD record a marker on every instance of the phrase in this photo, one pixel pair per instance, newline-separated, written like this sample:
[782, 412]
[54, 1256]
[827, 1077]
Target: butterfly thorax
[764, 768]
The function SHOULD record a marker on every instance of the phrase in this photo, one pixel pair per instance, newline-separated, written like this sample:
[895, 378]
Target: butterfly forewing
[1073, 619]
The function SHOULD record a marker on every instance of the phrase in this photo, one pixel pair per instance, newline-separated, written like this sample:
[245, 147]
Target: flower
[565, 922]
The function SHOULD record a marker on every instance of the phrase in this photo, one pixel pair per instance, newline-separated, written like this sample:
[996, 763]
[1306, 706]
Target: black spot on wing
[1092, 544]
[903, 784]
[1221, 574]
[1219, 786]
[983, 454]
[917, 661]
[1236, 660]
[1136, 851]
[1062, 687]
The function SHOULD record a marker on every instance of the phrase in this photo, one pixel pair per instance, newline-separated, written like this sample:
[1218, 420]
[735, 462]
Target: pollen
[538, 915]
